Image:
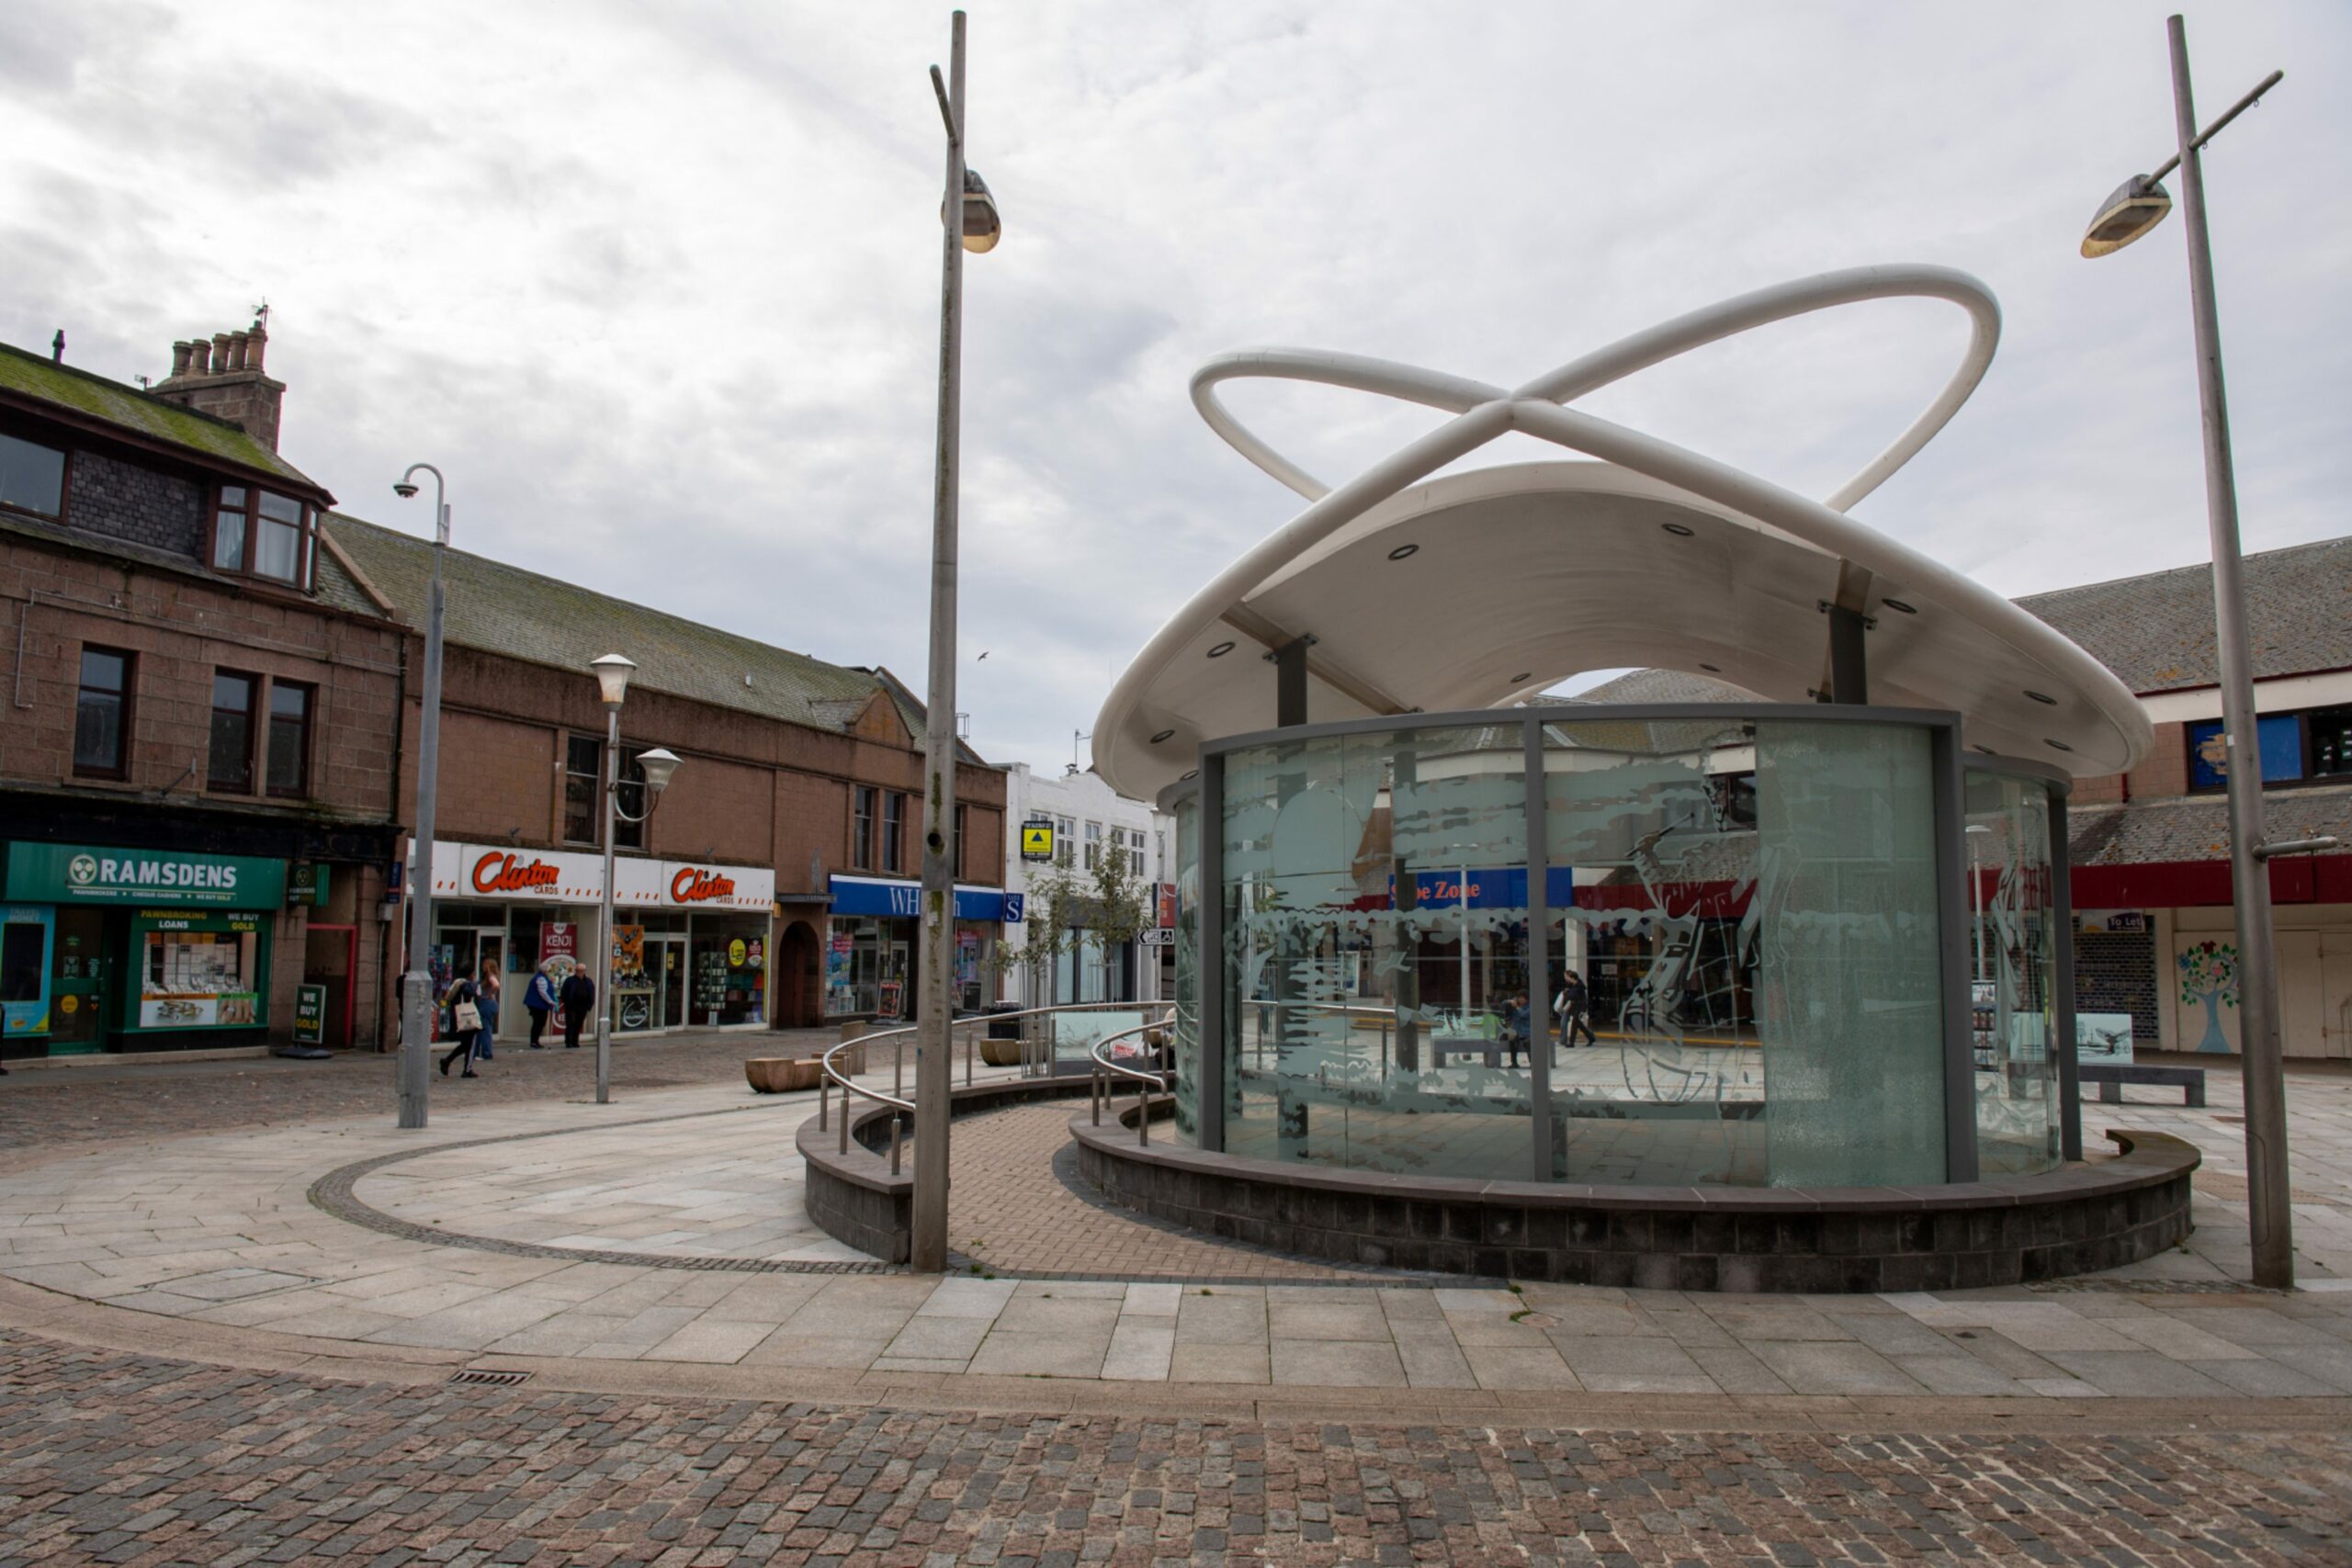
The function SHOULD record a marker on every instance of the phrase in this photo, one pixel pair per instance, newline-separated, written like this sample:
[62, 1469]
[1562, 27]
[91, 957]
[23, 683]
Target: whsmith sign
[89, 874]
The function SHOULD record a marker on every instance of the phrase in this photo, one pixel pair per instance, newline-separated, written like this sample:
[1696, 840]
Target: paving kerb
[100, 1324]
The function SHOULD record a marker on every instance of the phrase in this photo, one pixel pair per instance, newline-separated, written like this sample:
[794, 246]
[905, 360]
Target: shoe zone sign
[83, 873]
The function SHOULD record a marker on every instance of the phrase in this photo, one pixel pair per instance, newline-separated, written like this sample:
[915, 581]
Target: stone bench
[2111, 1076]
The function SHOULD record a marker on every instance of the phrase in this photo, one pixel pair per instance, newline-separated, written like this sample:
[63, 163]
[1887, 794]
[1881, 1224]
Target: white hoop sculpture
[1156, 715]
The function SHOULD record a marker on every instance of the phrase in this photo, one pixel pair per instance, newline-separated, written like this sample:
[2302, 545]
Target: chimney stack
[222, 376]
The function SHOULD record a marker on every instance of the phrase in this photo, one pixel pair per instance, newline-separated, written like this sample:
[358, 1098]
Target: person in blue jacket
[539, 1000]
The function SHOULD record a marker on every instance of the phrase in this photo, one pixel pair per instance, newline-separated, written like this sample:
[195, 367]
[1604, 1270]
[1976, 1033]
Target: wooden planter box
[783, 1075]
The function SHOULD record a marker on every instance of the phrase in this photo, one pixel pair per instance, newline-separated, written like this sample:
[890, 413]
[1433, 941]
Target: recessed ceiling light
[1522, 677]
[1220, 650]
[1711, 668]
[1899, 604]
[1401, 551]
[2045, 702]
[2056, 745]
[1161, 736]
[1677, 530]
[1188, 774]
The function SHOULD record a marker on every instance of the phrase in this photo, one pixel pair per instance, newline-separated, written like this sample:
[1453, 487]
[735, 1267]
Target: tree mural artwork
[2208, 974]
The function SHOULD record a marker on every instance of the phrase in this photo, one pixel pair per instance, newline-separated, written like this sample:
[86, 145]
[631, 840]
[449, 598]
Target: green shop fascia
[98, 943]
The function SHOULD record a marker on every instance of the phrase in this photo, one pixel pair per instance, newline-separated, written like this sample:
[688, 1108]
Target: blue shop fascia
[109, 947]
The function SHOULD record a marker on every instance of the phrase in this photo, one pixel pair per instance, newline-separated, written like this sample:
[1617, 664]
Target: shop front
[105, 948]
[872, 951]
[689, 941]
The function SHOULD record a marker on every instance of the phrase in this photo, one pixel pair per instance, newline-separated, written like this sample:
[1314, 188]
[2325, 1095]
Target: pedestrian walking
[578, 994]
[489, 990]
[1574, 1008]
[539, 1000]
[464, 1026]
[1518, 1021]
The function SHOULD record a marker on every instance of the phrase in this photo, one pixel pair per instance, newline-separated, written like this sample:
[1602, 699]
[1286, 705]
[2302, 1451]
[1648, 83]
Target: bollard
[824, 1091]
[1143, 1114]
[897, 1122]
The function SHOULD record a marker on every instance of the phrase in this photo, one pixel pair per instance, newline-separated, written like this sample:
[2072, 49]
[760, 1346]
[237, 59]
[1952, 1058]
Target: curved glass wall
[2013, 975]
[1732, 967]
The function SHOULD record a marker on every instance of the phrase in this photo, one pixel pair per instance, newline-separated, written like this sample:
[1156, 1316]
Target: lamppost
[2136, 207]
[416, 978]
[975, 228]
[612, 680]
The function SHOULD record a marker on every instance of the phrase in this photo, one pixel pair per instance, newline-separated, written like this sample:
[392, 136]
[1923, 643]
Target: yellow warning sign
[1037, 840]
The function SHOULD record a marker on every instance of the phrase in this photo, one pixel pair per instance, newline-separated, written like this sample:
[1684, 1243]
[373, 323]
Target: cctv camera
[403, 489]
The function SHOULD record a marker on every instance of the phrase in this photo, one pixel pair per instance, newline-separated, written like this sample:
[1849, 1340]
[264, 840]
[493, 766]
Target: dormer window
[32, 476]
[259, 533]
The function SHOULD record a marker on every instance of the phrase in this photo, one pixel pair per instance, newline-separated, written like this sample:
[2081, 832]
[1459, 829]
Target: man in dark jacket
[579, 999]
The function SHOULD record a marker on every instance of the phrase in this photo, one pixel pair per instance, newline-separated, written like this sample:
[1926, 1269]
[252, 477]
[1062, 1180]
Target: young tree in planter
[1069, 906]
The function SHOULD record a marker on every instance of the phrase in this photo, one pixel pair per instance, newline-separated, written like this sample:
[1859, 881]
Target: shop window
[24, 957]
[583, 760]
[102, 715]
[2331, 742]
[861, 829]
[289, 740]
[230, 767]
[259, 533]
[630, 795]
[32, 477]
[894, 830]
[200, 979]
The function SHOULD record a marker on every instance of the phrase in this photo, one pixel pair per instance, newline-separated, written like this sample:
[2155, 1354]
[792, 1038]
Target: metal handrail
[830, 1073]
[1104, 1067]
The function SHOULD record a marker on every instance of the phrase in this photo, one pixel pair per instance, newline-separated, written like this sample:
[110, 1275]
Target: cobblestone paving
[138, 1459]
[49, 1105]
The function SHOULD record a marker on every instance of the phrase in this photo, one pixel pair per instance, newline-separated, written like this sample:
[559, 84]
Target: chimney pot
[237, 344]
[256, 342]
[199, 357]
[180, 351]
[220, 354]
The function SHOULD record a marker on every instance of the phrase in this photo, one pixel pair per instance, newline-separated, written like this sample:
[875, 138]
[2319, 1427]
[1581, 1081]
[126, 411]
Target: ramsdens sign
[88, 874]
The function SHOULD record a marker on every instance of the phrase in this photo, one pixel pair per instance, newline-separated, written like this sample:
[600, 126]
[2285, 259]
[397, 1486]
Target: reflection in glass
[2012, 973]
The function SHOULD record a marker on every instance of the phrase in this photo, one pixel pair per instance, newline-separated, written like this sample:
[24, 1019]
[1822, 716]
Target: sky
[657, 287]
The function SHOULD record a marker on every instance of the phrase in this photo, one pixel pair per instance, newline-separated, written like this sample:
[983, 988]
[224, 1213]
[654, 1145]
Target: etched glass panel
[2013, 975]
[1184, 1053]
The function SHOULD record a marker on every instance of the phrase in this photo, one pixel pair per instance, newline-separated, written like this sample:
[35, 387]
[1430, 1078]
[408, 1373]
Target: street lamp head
[982, 226]
[2138, 205]
[406, 491]
[611, 677]
[657, 766]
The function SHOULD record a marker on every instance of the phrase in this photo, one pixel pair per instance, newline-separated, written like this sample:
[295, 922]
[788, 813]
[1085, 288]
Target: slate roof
[37, 378]
[504, 609]
[2197, 827]
[2157, 631]
[1664, 686]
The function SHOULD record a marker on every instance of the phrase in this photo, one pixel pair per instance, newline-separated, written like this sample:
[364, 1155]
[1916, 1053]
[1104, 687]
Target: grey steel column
[1539, 958]
[2062, 958]
[935, 1017]
[2266, 1089]
[1952, 911]
[417, 1002]
[1849, 660]
[1290, 681]
[604, 999]
[1209, 962]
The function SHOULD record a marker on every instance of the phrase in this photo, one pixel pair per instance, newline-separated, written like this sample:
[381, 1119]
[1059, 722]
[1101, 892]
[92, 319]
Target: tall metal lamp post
[612, 680]
[2136, 208]
[416, 978]
[969, 216]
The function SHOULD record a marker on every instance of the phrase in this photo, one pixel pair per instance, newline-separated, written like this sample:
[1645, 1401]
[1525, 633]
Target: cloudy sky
[657, 285]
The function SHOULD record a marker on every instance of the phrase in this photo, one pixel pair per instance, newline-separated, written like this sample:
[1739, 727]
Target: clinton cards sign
[84, 873]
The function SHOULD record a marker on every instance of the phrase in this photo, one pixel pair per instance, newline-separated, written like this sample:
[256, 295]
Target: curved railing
[831, 1075]
[1148, 1082]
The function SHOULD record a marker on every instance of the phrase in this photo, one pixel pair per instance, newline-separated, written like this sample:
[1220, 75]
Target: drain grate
[482, 1375]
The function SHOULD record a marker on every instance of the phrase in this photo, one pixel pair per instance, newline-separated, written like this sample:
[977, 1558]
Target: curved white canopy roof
[1483, 587]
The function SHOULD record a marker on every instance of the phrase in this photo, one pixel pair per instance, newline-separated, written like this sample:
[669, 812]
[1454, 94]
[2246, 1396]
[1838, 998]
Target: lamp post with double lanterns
[612, 681]
[2135, 208]
[967, 214]
[417, 1002]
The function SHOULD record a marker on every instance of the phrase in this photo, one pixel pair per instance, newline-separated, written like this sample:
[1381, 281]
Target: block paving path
[200, 1363]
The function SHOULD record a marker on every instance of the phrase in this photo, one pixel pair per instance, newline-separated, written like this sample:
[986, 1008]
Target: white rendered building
[1088, 816]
